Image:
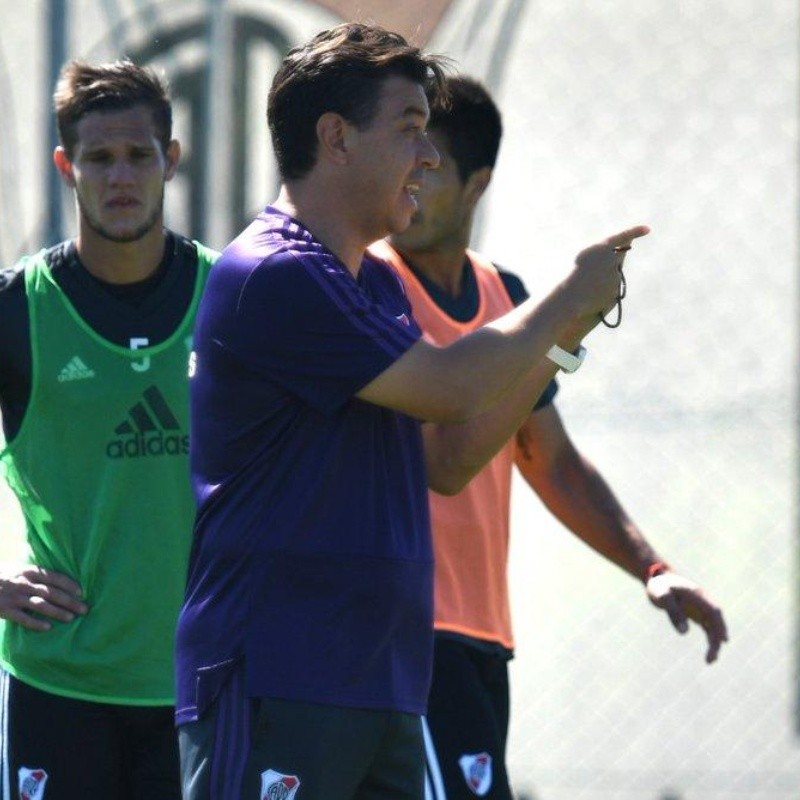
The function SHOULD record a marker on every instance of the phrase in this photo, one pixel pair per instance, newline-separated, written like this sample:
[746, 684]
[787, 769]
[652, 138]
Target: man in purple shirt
[304, 643]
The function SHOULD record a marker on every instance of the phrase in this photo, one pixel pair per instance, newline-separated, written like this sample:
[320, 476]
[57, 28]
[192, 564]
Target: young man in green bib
[94, 341]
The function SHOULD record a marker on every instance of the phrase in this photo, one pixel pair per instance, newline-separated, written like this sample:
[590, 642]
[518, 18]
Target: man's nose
[430, 155]
[121, 171]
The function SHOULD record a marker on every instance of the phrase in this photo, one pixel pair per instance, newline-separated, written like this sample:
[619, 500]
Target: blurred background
[680, 114]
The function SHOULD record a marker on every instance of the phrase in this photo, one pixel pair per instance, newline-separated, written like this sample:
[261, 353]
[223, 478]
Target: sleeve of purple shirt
[305, 323]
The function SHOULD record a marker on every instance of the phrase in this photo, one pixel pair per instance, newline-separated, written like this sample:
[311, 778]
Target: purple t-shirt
[312, 558]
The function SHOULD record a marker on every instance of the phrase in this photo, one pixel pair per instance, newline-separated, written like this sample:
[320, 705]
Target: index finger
[625, 237]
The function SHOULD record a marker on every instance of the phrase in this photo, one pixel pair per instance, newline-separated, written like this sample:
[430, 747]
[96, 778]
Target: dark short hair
[470, 123]
[340, 70]
[83, 88]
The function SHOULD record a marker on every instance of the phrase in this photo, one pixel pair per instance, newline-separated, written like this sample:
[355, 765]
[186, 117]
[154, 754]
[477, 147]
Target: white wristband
[567, 361]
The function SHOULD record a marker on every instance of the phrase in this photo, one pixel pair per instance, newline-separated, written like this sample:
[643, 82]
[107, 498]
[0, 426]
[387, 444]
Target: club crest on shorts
[31, 783]
[275, 786]
[477, 771]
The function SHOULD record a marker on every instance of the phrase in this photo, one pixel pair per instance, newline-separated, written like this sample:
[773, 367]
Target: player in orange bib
[453, 291]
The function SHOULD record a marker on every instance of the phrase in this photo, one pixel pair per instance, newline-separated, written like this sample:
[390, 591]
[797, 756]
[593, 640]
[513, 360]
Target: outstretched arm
[499, 363]
[577, 494]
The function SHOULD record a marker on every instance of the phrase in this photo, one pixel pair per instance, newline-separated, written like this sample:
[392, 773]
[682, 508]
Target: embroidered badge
[477, 771]
[275, 786]
[31, 783]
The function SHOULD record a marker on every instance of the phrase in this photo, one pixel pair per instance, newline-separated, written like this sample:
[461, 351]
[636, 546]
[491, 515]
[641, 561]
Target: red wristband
[656, 568]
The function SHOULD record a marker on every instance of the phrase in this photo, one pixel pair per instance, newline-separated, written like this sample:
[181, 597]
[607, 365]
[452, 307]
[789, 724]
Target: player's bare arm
[29, 595]
[32, 596]
[580, 498]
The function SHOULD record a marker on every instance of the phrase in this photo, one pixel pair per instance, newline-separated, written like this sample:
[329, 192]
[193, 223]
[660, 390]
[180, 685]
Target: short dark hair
[83, 88]
[340, 70]
[471, 124]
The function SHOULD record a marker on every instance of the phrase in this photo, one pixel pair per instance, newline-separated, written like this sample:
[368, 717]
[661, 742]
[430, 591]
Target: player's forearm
[493, 363]
[578, 496]
[456, 452]
[469, 377]
[497, 363]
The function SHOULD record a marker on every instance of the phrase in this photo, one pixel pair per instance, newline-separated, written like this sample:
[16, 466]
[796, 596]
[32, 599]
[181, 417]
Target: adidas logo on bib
[151, 429]
[75, 370]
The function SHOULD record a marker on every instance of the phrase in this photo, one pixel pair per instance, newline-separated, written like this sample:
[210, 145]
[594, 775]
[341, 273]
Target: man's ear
[477, 183]
[64, 166]
[332, 137]
[173, 156]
